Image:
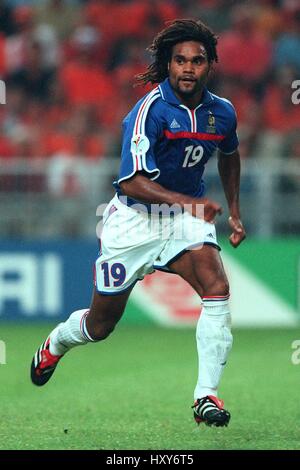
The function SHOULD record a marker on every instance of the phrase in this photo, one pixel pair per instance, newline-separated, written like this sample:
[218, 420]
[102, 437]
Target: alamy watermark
[156, 221]
[295, 358]
[2, 352]
[296, 94]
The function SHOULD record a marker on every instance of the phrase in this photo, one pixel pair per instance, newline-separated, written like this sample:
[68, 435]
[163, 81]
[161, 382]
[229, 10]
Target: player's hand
[238, 231]
[211, 209]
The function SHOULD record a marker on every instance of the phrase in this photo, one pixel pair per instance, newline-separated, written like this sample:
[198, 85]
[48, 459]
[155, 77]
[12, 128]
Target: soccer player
[169, 136]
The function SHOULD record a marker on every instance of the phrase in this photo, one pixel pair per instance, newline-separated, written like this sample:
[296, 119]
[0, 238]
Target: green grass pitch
[135, 390]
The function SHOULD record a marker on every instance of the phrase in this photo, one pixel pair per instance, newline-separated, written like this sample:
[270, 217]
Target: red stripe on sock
[215, 298]
[82, 320]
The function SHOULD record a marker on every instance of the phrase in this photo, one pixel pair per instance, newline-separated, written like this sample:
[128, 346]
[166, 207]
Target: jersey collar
[169, 96]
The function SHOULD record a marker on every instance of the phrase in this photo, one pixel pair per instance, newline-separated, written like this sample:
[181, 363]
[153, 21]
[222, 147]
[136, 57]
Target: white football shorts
[134, 243]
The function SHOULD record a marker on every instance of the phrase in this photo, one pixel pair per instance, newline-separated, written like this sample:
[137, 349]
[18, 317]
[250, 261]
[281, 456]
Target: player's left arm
[229, 169]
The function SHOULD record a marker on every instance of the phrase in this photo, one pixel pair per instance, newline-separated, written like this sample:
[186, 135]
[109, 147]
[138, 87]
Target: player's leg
[83, 326]
[203, 270]
[92, 324]
[126, 253]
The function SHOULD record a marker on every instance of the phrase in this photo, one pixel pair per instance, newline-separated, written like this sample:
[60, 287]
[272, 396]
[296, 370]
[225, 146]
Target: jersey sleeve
[140, 134]
[231, 141]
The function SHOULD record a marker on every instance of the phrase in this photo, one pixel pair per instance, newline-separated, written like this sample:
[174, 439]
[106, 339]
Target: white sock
[214, 341]
[71, 333]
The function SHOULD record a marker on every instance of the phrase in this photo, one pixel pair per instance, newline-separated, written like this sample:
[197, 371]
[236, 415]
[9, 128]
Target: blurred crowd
[69, 67]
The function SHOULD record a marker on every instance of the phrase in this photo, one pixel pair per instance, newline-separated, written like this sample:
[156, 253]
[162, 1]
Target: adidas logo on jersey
[174, 124]
[210, 235]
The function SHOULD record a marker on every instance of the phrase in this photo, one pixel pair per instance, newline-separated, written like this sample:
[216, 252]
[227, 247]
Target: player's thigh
[129, 245]
[203, 269]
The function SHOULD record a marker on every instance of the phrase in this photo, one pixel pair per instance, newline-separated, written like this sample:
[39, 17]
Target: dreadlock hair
[161, 48]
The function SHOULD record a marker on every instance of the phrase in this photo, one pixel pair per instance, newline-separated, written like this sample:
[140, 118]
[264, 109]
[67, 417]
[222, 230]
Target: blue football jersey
[170, 143]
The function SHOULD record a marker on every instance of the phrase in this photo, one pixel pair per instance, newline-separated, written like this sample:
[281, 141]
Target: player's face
[188, 69]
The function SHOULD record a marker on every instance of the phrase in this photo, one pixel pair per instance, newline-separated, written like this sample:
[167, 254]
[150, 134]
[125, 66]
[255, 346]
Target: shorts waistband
[161, 210]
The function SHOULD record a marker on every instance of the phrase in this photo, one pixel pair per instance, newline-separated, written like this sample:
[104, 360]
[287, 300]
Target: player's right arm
[144, 190]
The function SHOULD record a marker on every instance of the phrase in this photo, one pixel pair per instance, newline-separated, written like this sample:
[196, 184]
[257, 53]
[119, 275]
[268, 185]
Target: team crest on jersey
[139, 144]
[211, 128]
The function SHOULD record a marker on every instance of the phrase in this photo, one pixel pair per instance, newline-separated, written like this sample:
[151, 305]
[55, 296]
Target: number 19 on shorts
[114, 275]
